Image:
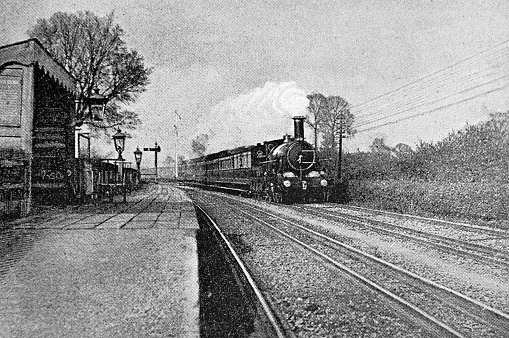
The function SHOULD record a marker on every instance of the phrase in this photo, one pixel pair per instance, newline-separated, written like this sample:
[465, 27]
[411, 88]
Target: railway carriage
[282, 170]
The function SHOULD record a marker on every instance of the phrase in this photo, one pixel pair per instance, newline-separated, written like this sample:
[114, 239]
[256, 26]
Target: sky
[239, 70]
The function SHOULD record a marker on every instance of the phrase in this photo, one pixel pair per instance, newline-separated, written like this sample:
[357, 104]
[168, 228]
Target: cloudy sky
[238, 70]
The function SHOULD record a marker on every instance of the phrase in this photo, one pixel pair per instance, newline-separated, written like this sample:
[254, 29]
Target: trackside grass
[465, 200]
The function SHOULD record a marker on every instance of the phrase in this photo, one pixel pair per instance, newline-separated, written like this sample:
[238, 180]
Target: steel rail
[266, 308]
[493, 231]
[495, 314]
[433, 324]
[493, 255]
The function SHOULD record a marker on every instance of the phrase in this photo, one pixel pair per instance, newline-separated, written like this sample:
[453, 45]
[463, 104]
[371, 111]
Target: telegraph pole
[340, 150]
[339, 184]
[176, 145]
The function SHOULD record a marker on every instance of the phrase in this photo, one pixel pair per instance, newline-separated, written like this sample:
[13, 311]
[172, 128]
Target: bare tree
[316, 107]
[336, 124]
[337, 120]
[91, 48]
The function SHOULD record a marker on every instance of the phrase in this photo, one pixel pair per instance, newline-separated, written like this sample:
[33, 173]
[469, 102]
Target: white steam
[263, 114]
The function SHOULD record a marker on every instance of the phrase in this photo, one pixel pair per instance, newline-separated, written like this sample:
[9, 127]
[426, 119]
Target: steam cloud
[263, 114]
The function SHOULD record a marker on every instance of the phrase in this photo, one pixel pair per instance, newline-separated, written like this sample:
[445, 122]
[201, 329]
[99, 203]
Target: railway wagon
[282, 170]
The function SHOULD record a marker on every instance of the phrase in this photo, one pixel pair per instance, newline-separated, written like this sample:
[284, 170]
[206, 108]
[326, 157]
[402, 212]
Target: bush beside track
[464, 176]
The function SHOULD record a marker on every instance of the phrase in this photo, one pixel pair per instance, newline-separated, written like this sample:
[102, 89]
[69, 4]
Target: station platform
[111, 270]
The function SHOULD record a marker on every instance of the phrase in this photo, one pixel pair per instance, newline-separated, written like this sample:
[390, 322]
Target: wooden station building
[37, 137]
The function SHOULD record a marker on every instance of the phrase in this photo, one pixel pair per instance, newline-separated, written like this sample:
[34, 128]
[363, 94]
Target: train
[285, 170]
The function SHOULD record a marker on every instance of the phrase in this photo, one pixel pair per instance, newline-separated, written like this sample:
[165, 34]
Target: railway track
[284, 295]
[500, 233]
[441, 310]
[464, 248]
[267, 323]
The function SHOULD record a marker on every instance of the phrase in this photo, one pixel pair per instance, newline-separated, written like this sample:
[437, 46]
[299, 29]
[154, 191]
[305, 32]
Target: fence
[112, 177]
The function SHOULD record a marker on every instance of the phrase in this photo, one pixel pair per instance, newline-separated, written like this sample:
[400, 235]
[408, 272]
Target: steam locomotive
[284, 170]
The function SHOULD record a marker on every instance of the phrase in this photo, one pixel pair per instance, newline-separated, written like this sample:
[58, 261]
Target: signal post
[155, 149]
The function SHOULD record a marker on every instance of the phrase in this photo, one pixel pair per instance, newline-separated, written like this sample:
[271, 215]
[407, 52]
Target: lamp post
[137, 157]
[119, 141]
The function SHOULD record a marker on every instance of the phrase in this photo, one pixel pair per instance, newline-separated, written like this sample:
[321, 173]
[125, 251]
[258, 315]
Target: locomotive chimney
[298, 125]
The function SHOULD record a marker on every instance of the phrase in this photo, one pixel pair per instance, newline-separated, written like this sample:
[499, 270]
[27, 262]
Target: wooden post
[156, 149]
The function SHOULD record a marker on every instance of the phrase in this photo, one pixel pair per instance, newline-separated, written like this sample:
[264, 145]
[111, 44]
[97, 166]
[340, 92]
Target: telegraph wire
[416, 94]
[435, 101]
[442, 81]
[435, 109]
[442, 84]
[464, 75]
[404, 109]
[434, 73]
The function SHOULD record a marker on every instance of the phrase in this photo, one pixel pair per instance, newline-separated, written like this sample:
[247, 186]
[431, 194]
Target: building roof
[31, 52]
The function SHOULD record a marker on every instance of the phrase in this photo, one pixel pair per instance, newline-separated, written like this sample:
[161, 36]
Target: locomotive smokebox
[298, 125]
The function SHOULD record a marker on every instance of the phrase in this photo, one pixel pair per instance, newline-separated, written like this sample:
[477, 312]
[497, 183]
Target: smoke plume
[263, 114]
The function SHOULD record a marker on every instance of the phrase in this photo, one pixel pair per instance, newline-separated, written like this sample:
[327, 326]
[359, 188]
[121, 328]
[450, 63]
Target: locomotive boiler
[298, 175]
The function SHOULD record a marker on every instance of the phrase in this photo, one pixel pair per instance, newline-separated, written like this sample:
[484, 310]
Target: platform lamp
[95, 104]
[91, 108]
[119, 141]
[137, 157]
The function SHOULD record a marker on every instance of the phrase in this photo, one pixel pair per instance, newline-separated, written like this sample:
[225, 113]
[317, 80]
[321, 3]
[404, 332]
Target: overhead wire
[426, 103]
[424, 89]
[459, 82]
[436, 109]
[435, 101]
[418, 94]
[433, 74]
[442, 84]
